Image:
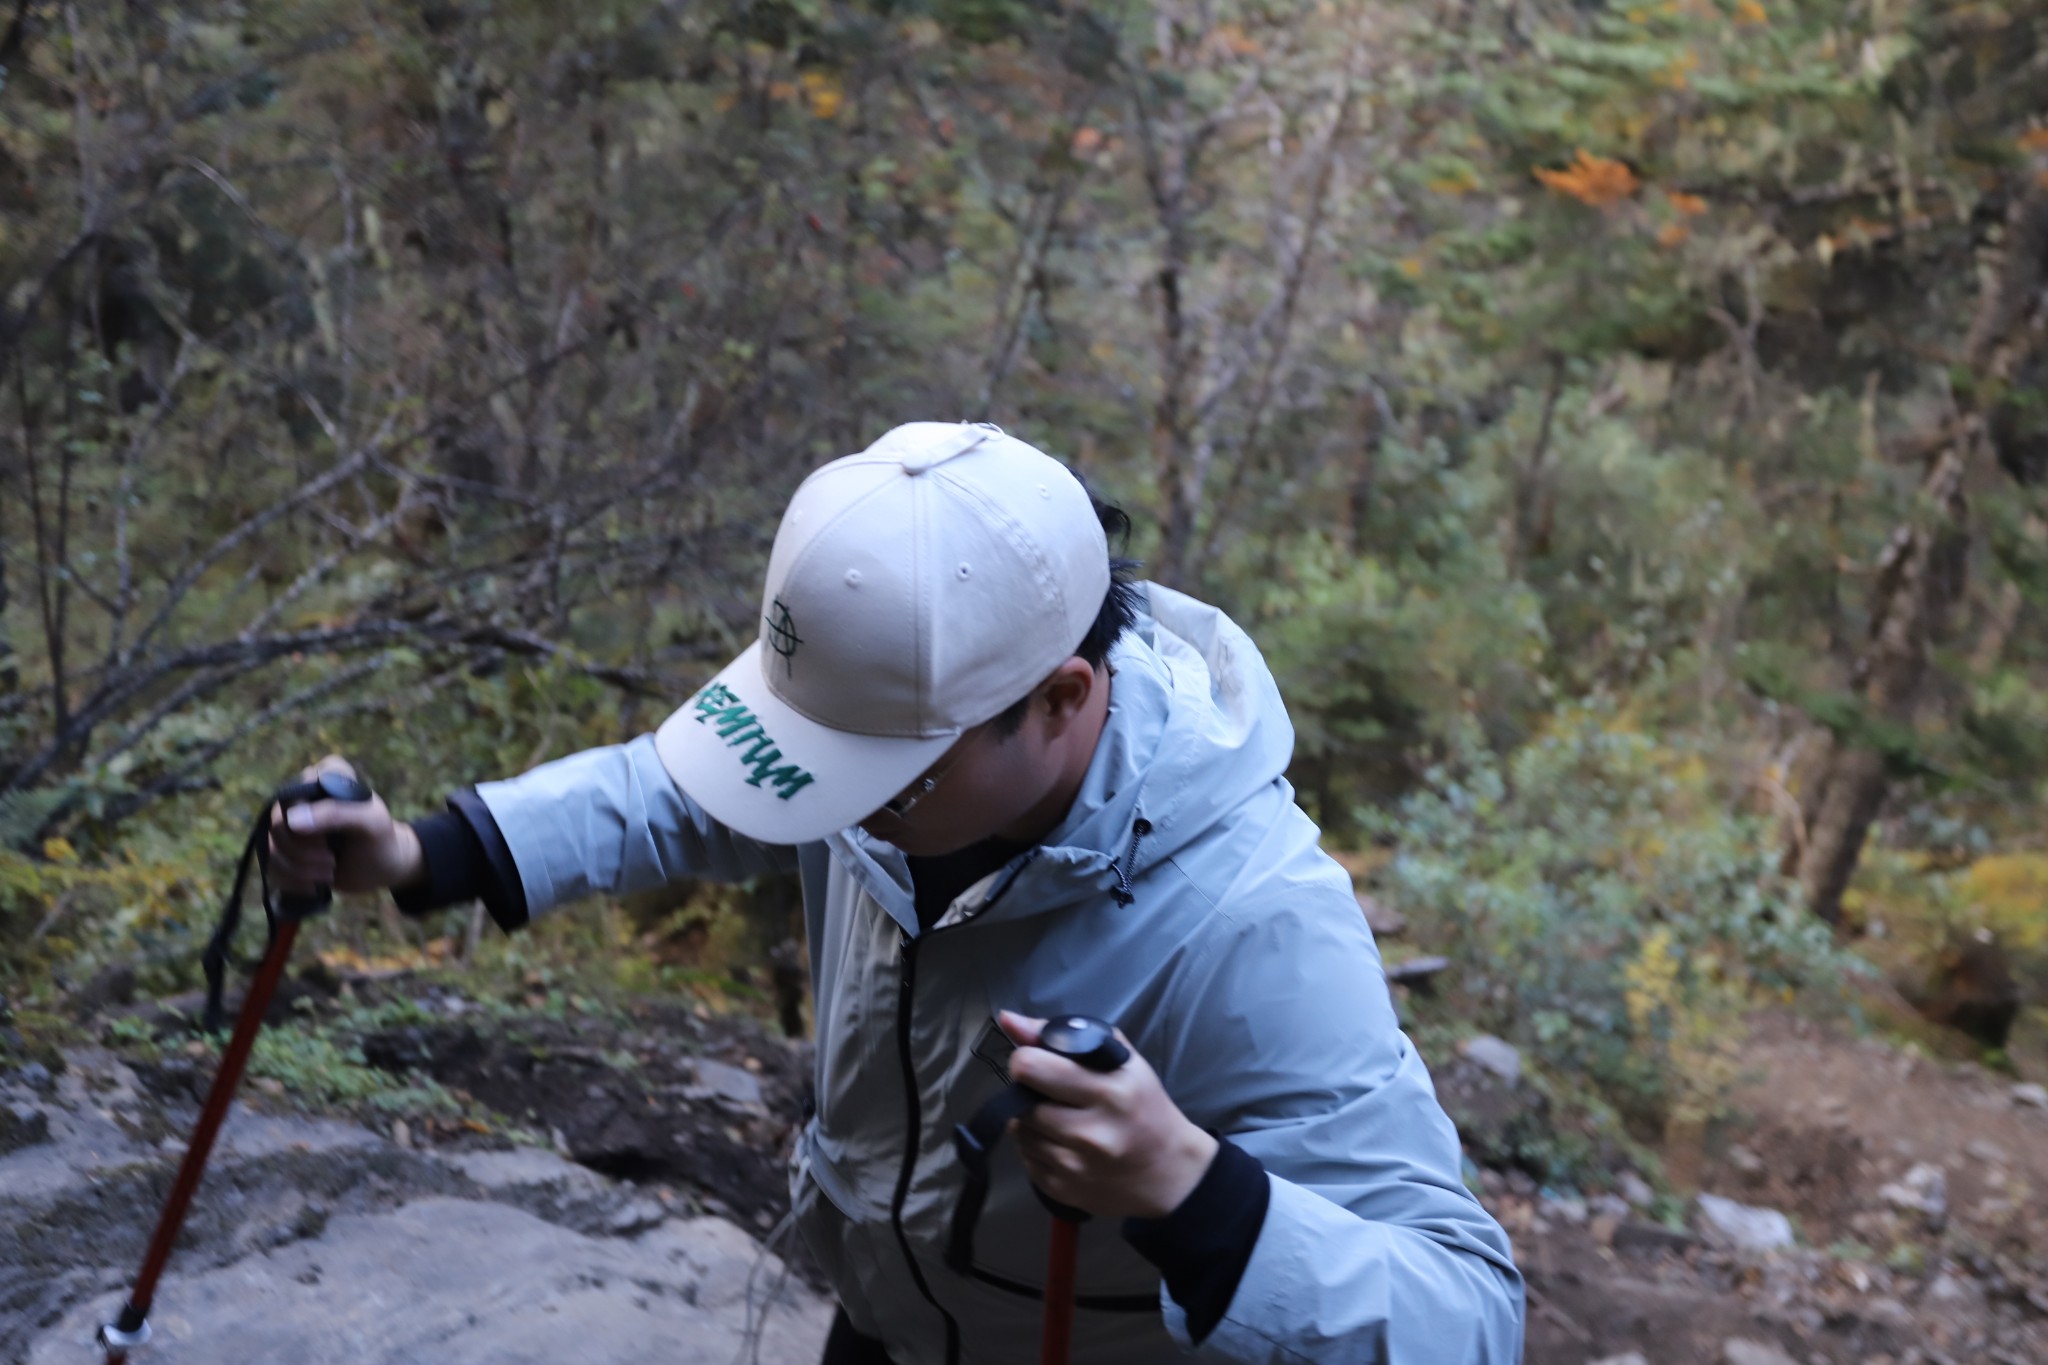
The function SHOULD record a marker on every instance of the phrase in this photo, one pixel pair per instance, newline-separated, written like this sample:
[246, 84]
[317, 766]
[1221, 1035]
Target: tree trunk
[1921, 577]
[1919, 581]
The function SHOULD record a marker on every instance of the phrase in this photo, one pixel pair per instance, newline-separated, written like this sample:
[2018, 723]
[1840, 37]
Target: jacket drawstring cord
[1129, 862]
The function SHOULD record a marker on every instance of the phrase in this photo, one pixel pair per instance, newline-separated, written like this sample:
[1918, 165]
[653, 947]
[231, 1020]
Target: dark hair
[1118, 613]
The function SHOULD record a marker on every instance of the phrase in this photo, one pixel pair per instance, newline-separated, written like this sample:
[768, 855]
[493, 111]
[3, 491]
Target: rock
[1946, 1288]
[110, 986]
[1745, 1227]
[1744, 1160]
[1923, 1190]
[636, 1217]
[1382, 919]
[1502, 1058]
[1739, 1351]
[35, 1076]
[1607, 1206]
[1418, 973]
[2030, 1092]
[1649, 1237]
[410, 1285]
[732, 1084]
[1502, 1125]
[22, 1126]
[1971, 989]
[1635, 1189]
[524, 1167]
[1990, 1153]
[1566, 1208]
[1625, 1358]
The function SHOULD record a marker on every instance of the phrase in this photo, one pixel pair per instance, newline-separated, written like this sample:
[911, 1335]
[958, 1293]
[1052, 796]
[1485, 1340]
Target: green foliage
[316, 1070]
[1604, 912]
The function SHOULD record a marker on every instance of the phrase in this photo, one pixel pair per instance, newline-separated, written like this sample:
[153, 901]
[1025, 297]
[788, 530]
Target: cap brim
[765, 770]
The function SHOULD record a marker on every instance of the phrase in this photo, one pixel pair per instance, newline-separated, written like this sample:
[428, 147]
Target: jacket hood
[1195, 725]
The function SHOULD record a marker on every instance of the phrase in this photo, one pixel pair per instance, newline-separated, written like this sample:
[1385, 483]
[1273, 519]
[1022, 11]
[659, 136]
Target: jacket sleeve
[1372, 1250]
[612, 820]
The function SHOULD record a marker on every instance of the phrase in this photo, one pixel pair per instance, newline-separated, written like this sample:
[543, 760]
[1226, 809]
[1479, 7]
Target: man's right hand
[376, 852]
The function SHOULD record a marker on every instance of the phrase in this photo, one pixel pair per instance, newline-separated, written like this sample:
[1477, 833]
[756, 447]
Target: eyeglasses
[906, 801]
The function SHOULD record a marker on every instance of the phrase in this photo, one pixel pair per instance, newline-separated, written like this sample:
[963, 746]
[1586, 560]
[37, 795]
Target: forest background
[1622, 423]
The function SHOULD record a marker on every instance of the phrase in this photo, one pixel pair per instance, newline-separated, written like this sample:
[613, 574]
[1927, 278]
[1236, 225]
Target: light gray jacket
[1185, 898]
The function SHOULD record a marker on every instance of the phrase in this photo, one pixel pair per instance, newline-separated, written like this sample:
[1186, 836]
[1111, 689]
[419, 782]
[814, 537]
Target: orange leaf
[1750, 12]
[1671, 234]
[1595, 180]
[2034, 140]
[1686, 205]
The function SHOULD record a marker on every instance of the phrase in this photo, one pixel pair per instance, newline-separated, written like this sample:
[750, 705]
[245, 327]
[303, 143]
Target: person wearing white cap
[1016, 783]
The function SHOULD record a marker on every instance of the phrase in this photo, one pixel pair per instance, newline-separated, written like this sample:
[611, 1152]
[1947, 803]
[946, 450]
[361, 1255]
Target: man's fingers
[302, 869]
[314, 818]
[1022, 1029]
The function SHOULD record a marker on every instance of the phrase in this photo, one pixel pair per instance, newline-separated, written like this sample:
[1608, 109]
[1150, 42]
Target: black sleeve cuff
[1202, 1247]
[466, 860]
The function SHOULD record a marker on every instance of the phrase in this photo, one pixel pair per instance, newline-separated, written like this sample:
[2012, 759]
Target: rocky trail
[1867, 1206]
[1870, 1206]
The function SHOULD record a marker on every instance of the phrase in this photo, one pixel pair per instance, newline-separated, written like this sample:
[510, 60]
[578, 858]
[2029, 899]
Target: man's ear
[1064, 694]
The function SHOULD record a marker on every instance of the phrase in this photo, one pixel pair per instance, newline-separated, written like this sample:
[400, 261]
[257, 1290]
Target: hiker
[1017, 783]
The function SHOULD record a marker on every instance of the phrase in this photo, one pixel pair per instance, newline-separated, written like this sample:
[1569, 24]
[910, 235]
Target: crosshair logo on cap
[782, 636]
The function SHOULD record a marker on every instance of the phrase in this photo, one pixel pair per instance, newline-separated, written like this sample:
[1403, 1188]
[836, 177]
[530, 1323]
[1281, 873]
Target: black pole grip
[1084, 1039]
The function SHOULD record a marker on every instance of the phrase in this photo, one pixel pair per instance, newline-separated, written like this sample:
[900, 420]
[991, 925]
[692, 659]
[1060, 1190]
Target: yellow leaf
[1412, 267]
[1750, 12]
[60, 851]
[824, 93]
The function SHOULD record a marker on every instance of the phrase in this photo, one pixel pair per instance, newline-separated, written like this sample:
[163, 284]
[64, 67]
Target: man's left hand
[1110, 1143]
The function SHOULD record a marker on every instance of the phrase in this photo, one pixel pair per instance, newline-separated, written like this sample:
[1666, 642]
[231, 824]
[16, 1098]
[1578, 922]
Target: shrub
[1605, 912]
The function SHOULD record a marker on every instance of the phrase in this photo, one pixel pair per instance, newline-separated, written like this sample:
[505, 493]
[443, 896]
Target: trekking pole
[1056, 1337]
[1093, 1044]
[131, 1328]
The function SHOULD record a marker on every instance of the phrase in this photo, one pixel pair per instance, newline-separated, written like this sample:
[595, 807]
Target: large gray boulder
[460, 1282]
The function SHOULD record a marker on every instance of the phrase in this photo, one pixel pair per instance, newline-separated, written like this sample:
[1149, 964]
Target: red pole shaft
[1056, 1341]
[225, 1082]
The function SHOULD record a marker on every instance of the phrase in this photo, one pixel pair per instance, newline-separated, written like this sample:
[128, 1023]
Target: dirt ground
[1829, 1130]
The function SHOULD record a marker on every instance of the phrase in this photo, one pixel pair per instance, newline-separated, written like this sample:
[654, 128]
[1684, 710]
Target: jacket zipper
[1123, 894]
[914, 1126]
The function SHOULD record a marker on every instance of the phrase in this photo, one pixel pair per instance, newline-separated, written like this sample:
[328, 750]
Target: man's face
[982, 786]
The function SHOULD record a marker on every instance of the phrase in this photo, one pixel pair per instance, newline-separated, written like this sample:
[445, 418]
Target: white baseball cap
[915, 590]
